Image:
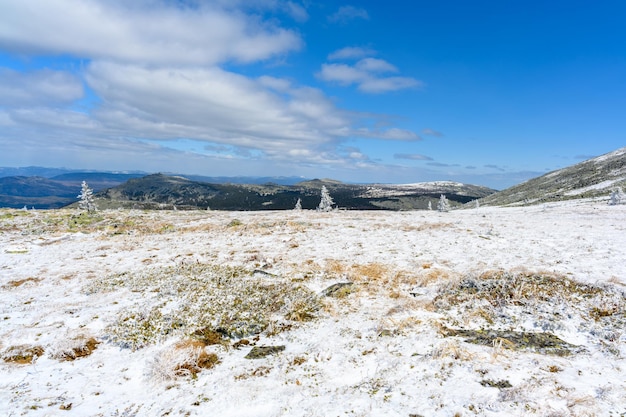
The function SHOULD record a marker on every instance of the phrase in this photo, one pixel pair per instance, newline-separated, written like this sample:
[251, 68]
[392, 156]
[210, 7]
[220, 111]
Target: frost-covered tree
[443, 204]
[326, 203]
[430, 206]
[298, 206]
[86, 198]
[617, 197]
[476, 204]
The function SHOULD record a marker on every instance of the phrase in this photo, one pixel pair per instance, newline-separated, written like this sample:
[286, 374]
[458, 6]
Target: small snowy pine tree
[298, 206]
[430, 206]
[617, 197]
[87, 201]
[326, 203]
[443, 204]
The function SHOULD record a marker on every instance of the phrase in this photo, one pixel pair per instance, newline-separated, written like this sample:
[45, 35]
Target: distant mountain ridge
[160, 191]
[48, 188]
[592, 178]
[87, 175]
[55, 192]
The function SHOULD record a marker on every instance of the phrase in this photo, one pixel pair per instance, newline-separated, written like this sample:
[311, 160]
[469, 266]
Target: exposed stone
[545, 343]
[259, 352]
[337, 290]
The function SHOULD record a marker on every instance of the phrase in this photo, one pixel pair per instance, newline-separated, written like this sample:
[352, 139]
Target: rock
[496, 384]
[545, 343]
[339, 289]
[259, 352]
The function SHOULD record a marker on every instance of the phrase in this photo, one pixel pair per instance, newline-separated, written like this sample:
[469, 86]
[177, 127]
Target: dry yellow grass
[186, 358]
[452, 349]
[22, 354]
[19, 282]
[201, 359]
[77, 347]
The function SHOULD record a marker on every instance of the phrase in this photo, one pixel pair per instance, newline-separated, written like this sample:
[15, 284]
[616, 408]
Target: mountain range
[158, 191]
[58, 187]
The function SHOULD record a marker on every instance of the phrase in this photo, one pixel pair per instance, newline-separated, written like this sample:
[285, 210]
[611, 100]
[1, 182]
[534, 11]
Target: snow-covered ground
[385, 346]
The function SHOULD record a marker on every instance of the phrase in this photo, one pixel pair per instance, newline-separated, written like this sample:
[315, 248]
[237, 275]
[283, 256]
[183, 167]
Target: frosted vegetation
[486, 311]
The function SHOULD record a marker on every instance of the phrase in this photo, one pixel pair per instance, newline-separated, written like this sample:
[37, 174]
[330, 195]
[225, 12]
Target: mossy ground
[202, 300]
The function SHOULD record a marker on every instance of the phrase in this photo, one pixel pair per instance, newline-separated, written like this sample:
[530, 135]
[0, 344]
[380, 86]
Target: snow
[599, 186]
[375, 352]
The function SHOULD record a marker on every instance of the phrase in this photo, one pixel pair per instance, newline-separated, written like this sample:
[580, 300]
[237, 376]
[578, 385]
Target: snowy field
[487, 312]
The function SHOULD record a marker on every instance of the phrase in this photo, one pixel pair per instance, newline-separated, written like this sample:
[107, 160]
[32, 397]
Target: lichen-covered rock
[259, 352]
[338, 290]
[545, 343]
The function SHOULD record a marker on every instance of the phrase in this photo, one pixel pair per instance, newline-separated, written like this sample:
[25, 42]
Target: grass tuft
[77, 347]
[186, 358]
[22, 354]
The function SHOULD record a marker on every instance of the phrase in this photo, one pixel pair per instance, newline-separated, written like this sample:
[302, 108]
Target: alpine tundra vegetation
[489, 311]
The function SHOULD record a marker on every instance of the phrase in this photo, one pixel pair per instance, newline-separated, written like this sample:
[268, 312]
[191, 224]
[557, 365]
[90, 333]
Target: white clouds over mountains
[154, 71]
[370, 75]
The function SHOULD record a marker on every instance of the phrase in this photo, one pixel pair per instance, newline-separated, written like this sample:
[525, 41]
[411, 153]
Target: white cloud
[346, 13]
[388, 134]
[155, 75]
[351, 52]
[38, 87]
[296, 11]
[375, 65]
[216, 106]
[342, 73]
[5, 119]
[147, 32]
[384, 85]
[366, 74]
[412, 156]
[432, 132]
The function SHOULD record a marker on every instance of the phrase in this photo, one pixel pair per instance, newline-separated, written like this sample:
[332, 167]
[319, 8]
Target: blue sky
[483, 92]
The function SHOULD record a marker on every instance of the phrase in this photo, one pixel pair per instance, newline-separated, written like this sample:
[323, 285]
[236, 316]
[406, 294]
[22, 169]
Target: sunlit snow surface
[377, 351]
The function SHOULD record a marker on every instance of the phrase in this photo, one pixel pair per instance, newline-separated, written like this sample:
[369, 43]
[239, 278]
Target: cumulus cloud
[210, 104]
[351, 52]
[145, 31]
[38, 87]
[367, 74]
[296, 11]
[347, 13]
[431, 132]
[156, 72]
[412, 156]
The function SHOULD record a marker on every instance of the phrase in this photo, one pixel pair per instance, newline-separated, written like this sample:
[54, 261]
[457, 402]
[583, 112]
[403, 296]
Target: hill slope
[595, 177]
[55, 192]
[160, 191]
[17, 192]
